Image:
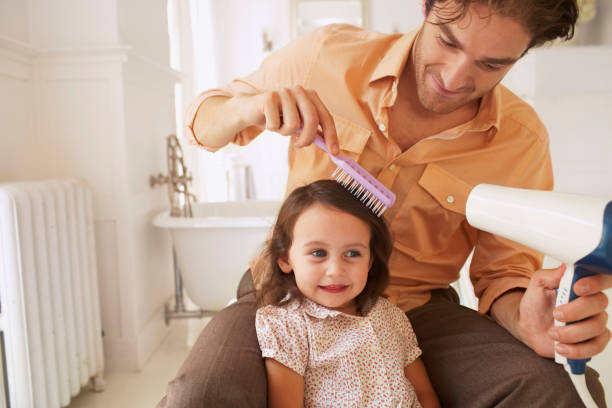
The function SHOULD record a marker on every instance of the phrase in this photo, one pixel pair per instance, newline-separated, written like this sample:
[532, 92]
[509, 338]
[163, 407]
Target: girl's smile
[334, 288]
[330, 257]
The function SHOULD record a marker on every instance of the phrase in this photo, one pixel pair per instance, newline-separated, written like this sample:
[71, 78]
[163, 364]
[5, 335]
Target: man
[424, 113]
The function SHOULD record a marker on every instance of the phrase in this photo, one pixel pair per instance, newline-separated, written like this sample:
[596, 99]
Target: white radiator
[50, 308]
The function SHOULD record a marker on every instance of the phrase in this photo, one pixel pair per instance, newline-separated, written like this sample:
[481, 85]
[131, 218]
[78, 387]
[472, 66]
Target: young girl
[328, 337]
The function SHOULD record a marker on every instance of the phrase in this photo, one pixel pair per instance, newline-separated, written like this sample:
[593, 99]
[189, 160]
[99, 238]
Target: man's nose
[457, 74]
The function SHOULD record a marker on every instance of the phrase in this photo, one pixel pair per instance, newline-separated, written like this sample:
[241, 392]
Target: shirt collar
[489, 115]
[393, 61]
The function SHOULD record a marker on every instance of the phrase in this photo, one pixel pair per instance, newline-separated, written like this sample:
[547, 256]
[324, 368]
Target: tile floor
[146, 388]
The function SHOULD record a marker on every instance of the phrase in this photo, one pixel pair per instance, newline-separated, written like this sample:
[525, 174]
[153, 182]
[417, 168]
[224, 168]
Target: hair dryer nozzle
[564, 226]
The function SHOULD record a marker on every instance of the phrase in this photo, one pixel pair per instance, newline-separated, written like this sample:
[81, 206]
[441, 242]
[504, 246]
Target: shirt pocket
[352, 137]
[432, 213]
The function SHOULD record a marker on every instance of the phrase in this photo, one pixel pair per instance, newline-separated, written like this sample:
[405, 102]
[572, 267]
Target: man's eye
[491, 67]
[353, 254]
[319, 253]
[445, 43]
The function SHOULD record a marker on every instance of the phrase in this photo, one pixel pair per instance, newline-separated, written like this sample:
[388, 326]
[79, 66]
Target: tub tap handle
[160, 179]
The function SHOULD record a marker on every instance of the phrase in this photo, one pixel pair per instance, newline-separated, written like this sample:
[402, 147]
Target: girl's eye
[319, 253]
[353, 254]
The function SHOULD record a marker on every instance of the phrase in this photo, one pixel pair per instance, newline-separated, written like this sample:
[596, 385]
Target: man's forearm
[218, 120]
[506, 311]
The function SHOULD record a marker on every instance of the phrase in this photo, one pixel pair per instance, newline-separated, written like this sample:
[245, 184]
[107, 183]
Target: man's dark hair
[545, 20]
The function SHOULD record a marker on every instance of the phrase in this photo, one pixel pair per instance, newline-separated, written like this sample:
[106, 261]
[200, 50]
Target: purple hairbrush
[359, 182]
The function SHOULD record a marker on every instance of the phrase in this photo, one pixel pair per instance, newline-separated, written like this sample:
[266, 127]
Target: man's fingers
[580, 331]
[581, 308]
[297, 111]
[291, 120]
[593, 284]
[271, 110]
[327, 123]
[310, 118]
[586, 349]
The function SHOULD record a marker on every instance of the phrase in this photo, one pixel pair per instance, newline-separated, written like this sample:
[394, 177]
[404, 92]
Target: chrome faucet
[177, 179]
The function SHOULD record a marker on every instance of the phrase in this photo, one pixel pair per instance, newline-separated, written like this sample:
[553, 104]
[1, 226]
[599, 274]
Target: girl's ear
[283, 264]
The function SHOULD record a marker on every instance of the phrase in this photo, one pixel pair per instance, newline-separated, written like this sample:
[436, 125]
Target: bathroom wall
[15, 73]
[87, 91]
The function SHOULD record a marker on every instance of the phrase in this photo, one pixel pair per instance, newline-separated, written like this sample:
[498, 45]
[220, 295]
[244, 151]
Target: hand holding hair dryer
[574, 229]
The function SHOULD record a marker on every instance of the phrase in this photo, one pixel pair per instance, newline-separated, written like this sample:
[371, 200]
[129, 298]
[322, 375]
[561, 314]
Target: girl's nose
[334, 267]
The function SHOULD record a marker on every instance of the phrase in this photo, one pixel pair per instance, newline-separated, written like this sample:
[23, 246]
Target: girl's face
[330, 257]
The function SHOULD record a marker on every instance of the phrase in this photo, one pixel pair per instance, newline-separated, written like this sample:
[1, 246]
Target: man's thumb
[550, 278]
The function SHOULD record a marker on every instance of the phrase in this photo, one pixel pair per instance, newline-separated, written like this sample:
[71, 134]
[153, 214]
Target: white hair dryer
[574, 229]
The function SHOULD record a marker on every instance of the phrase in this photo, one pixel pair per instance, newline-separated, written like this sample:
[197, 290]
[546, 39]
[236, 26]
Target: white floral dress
[346, 360]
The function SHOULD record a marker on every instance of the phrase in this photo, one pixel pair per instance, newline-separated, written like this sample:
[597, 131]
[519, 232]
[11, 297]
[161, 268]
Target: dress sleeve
[403, 330]
[283, 336]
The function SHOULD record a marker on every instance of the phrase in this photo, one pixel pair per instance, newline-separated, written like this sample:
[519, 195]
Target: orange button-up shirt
[355, 72]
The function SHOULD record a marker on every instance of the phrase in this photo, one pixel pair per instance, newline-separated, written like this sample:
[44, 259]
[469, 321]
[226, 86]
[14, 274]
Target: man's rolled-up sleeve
[286, 67]
[498, 264]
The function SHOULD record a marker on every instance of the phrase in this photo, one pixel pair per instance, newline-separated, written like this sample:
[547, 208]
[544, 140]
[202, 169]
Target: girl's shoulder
[385, 307]
[382, 303]
[281, 323]
[286, 311]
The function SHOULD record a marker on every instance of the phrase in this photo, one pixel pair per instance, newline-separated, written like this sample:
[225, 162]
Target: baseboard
[152, 335]
[131, 354]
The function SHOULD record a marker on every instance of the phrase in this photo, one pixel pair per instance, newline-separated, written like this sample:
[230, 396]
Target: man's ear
[424, 8]
[284, 265]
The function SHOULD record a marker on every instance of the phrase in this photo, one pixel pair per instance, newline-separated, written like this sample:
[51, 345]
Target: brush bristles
[359, 191]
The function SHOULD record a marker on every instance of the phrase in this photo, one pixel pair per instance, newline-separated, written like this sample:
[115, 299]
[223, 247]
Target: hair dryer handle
[566, 294]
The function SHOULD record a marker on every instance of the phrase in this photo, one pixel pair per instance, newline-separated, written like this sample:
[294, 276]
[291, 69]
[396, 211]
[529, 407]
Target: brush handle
[318, 140]
[566, 294]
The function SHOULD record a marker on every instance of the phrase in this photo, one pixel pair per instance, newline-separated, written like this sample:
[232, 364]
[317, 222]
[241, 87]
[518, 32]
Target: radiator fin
[49, 291]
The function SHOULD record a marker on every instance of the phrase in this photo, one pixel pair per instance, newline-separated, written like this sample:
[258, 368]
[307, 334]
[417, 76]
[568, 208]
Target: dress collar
[321, 312]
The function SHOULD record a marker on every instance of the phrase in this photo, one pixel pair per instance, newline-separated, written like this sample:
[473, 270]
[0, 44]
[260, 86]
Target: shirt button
[380, 381]
[373, 348]
[450, 199]
[382, 127]
[363, 323]
[392, 167]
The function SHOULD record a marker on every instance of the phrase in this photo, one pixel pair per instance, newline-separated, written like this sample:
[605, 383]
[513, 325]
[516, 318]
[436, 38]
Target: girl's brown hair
[274, 285]
[545, 20]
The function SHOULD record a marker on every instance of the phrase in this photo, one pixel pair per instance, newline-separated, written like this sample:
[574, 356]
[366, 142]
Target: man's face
[458, 62]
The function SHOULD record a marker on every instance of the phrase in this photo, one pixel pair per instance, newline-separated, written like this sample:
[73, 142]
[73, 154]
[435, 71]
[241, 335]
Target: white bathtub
[214, 247]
